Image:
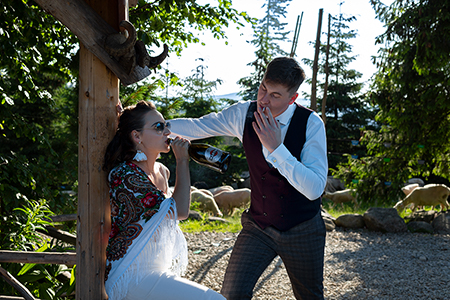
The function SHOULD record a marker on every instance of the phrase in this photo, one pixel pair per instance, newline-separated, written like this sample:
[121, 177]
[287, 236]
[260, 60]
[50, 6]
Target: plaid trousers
[301, 248]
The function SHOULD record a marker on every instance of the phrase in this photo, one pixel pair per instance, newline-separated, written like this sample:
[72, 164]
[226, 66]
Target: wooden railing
[29, 257]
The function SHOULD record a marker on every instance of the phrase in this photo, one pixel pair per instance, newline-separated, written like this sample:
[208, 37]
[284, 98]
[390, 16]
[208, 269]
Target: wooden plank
[59, 234]
[16, 284]
[64, 218]
[98, 97]
[13, 298]
[315, 63]
[29, 257]
[92, 30]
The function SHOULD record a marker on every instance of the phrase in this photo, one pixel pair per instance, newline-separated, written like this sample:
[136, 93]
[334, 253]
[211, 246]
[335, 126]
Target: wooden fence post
[98, 97]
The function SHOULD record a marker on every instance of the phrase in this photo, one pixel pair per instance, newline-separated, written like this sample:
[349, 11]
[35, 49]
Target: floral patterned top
[133, 198]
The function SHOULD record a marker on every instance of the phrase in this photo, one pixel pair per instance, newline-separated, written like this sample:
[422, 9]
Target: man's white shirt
[308, 176]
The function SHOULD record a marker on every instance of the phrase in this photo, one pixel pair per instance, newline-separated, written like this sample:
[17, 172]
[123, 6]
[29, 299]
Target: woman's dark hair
[285, 71]
[121, 148]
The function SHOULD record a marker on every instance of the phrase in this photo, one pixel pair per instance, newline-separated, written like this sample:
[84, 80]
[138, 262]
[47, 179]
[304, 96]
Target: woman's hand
[182, 193]
[180, 148]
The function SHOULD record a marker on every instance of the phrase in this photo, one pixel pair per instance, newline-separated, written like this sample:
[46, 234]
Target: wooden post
[327, 73]
[315, 64]
[98, 97]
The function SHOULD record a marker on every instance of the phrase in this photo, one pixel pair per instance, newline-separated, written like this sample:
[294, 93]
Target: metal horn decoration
[130, 52]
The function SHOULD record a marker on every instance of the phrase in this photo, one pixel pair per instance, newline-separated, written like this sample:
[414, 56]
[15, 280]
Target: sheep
[207, 202]
[220, 189]
[342, 196]
[229, 200]
[409, 188]
[430, 194]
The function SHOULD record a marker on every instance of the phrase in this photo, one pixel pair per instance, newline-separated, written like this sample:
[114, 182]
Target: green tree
[346, 109]
[38, 88]
[411, 89]
[268, 32]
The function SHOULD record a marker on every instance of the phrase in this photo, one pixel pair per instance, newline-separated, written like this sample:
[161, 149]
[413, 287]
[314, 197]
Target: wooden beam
[98, 97]
[64, 218]
[316, 63]
[16, 285]
[14, 298]
[90, 27]
[327, 74]
[59, 234]
[29, 257]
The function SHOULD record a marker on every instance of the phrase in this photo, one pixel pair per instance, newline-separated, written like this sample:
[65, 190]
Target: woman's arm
[182, 193]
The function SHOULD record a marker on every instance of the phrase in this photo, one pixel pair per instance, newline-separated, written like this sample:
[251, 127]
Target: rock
[384, 220]
[333, 185]
[422, 215]
[420, 226]
[441, 223]
[328, 220]
[353, 221]
[194, 215]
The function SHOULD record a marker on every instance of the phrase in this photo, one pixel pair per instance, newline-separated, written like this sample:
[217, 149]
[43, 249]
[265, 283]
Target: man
[285, 146]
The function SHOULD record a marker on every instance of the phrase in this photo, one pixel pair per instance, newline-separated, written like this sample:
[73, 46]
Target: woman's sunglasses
[160, 126]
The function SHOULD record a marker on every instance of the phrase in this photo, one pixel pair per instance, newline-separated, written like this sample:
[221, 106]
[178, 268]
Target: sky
[229, 62]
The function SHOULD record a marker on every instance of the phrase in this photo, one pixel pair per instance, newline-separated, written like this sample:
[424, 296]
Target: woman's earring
[140, 156]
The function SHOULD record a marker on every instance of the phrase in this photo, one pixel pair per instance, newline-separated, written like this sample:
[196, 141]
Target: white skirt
[166, 286]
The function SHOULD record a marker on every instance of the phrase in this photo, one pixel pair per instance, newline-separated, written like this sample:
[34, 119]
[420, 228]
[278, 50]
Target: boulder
[384, 220]
[420, 227]
[220, 189]
[422, 215]
[441, 223]
[328, 220]
[194, 215]
[353, 221]
[333, 185]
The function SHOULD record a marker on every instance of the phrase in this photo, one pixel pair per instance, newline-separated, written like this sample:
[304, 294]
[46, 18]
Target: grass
[234, 222]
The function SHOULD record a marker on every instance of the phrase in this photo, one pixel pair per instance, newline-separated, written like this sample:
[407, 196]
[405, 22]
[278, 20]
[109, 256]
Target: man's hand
[267, 129]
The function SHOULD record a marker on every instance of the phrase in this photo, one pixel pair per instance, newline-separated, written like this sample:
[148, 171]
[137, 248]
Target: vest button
[263, 178]
[282, 216]
[264, 196]
[281, 197]
[265, 214]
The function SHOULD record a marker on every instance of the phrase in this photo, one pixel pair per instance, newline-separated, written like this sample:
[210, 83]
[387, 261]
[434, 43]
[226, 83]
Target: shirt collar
[286, 116]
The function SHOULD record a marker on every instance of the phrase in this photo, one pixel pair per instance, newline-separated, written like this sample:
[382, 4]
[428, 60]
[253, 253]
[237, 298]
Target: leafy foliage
[347, 111]
[411, 89]
[37, 55]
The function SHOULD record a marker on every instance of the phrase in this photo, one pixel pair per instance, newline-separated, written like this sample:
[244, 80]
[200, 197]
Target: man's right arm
[228, 122]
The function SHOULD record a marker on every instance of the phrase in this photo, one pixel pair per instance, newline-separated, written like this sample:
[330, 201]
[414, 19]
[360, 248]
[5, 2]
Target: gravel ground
[359, 264]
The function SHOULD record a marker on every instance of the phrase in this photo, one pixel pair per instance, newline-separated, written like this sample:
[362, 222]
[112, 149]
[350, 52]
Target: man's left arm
[309, 176]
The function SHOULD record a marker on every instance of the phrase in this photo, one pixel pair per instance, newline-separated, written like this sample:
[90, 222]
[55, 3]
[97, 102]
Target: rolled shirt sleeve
[310, 175]
[228, 122]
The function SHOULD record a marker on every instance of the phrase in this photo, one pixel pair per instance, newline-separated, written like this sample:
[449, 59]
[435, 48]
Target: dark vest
[273, 199]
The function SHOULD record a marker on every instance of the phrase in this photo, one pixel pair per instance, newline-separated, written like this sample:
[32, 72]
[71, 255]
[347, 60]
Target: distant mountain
[232, 96]
[235, 96]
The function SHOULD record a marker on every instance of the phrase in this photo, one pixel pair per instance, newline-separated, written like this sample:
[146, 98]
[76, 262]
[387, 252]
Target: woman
[147, 252]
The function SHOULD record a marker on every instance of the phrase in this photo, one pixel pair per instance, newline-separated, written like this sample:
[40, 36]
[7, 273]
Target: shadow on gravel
[200, 274]
[371, 265]
[262, 281]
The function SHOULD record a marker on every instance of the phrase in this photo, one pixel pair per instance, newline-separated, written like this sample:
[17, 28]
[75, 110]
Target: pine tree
[267, 33]
[346, 110]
